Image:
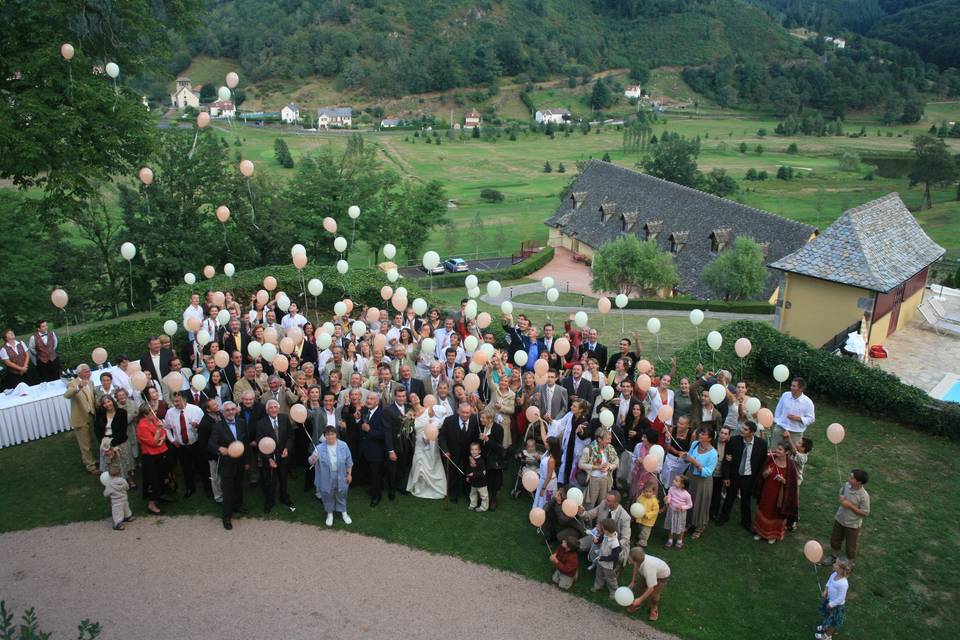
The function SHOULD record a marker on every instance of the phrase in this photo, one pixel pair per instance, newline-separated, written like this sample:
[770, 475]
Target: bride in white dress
[427, 479]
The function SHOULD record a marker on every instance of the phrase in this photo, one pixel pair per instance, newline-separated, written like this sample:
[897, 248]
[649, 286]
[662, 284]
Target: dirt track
[187, 577]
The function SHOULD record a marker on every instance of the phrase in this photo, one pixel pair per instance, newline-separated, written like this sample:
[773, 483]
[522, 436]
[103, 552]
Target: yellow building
[865, 273]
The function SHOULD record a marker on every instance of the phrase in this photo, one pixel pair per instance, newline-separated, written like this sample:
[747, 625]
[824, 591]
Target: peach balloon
[209, 272]
[742, 347]
[232, 79]
[540, 378]
[267, 446]
[203, 119]
[146, 175]
[643, 383]
[399, 302]
[246, 168]
[263, 297]
[479, 357]
[429, 400]
[373, 314]
[223, 213]
[835, 433]
[219, 298]
[139, 380]
[530, 480]
[298, 413]
[286, 345]
[471, 382]
[484, 319]
[269, 283]
[541, 366]
[236, 449]
[330, 225]
[603, 305]
[665, 413]
[431, 432]
[643, 366]
[562, 346]
[300, 261]
[174, 380]
[379, 341]
[193, 324]
[295, 334]
[813, 551]
[66, 50]
[349, 303]
[386, 292]
[99, 355]
[570, 508]
[533, 413]
[59, 298]
[765, 417]
[651, 463]
[270, 335]
[280, 363]
[222, 358]
[537, 517]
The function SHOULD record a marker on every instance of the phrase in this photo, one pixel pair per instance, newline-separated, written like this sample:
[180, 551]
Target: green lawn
[724, 585]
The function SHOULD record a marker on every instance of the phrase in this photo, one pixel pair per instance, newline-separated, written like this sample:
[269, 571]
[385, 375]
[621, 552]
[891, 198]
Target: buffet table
[42, 412]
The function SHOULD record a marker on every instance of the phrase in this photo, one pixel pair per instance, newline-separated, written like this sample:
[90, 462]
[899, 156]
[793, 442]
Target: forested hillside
[397, 47]
[933, 30]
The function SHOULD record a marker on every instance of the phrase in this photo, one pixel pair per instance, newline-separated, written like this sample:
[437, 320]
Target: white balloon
[340, 308]
[170, 327]
[471, 310]
[393, 275]
[283, 302]
[340, 244]
[254, 349]
[623, 596]
[327, 327]
[487, 348]
[752, 405]
[128, 251]
[621, 300]
[494, 288]
[470, 344]
[474, 293]
[637, 510]
[547, 283]
[575, 494]
[401, 291]
[324, 340]
[717, 393]
[223, 318]
[105, 478]
[353, 212]
[223, 93]
[419, 306]
[696, 317]
[552, 294]
[781, 373]
[315, 287]
[358, 328]
[506, 307]
[714, 340]
[471, 281]
[581, 319]
[428, 345]
[607, 392]
[657, 450]
[653, 326]
[269, 351]
[297, 249]
[389, 251]
[342, 266]
[430, 260]
[198, 382]
[189, 278]
[520, 357]
[606, 418]
[229, 269]
[203, 337]
[113, 70]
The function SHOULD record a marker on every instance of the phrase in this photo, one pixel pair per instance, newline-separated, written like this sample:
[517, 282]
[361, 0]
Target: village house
[607, 202]
[389, 123]
[472, 120]
[836, 41]
[223, 109]
[184, 96]
[556, 116]
[328, 117]
[633, 91]
[290, 114]
[865, 273]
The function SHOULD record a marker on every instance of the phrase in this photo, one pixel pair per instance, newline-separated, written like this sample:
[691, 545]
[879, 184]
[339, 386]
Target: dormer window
[678, 239]
[628, 221]
[578, 197]
[719, 239]
[607, 210]
[652, 229]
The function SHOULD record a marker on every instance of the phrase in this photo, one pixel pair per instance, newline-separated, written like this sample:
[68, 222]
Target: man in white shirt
[193, 310]
[272, 322]
[442, 337]
[293, 318]
[393, 333]
[794, 413]
[553, 398]
[654, 574]
[181, 424]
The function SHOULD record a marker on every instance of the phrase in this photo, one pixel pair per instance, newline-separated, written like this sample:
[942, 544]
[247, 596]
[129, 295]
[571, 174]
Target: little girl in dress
[678, 503]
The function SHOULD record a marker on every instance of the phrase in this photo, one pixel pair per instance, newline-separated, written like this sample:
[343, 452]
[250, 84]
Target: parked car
[435, 271]
[456, 265]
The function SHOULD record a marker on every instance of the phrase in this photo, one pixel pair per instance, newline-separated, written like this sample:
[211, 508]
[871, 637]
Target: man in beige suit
[279, 392]
[81, 394]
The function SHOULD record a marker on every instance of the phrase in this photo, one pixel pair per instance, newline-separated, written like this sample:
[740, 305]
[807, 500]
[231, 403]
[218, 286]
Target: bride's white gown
[427, 479]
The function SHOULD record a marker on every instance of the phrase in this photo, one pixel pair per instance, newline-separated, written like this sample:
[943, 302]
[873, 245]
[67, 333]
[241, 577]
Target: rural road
[186, 577]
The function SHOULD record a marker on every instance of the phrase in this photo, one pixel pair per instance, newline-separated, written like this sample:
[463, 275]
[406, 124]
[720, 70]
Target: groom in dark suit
[276, 465]
[456, 434]
[399, 454]
[231, 429]
[372, 450]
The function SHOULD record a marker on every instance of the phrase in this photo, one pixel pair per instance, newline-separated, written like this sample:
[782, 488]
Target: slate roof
[876, 246]
[676, 211]
[335, 112]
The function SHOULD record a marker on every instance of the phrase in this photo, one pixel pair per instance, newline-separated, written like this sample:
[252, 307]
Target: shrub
[519, 270]
[681, 304]
[491, 195]
[28, 629]
[547, 168]
[127, 337]
[792, 149]
[842, 380]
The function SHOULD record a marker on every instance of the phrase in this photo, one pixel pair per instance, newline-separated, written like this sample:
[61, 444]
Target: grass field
[907, 576]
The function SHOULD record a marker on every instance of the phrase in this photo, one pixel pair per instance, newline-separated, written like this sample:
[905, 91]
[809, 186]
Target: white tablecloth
[41, 413]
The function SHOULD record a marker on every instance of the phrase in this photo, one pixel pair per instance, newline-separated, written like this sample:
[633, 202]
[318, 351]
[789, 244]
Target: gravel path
[187, 577]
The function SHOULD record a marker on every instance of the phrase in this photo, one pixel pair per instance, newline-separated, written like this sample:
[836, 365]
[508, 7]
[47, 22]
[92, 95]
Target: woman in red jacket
[153, 447]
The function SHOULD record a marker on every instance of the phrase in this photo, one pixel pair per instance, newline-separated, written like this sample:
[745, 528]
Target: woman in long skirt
[703, 460]
[778, 496]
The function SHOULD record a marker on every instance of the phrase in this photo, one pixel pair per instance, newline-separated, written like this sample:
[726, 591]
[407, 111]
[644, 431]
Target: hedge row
[737, 306]
[839, 379]
[451, 280]
[362, 285]
[128, 337]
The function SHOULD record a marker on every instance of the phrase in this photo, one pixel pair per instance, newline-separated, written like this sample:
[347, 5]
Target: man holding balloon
[794, 413]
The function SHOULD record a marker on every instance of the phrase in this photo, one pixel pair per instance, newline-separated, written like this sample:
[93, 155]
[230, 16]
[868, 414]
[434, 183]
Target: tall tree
[739, 272]
[934, 166]
[719, 183]
[674, 158]
[636, 132]
[601, 97]
[627, 264]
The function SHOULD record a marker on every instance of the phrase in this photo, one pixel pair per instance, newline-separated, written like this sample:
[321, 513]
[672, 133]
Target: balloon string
[253, 211]
[836, 450]
[545, 541]
[116, 95]
[622, 329]
[130, 264]
[196, 135]
[451, 461]
[817, 573]
[699, 352]
[224, 225]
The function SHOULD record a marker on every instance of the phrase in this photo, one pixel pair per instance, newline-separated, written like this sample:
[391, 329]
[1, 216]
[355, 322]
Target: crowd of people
[430, 406]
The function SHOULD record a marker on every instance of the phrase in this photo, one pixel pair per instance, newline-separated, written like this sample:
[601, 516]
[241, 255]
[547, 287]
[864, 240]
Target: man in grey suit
[553, 401]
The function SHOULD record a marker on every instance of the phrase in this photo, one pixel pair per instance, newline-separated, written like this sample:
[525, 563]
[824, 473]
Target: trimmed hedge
[519, 270]
[360, 284]
[737, 306]
[127, 337]
[839, 379]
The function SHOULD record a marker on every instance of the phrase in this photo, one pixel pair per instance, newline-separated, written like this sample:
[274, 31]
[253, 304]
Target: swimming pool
[953, 393]
[948, 389]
